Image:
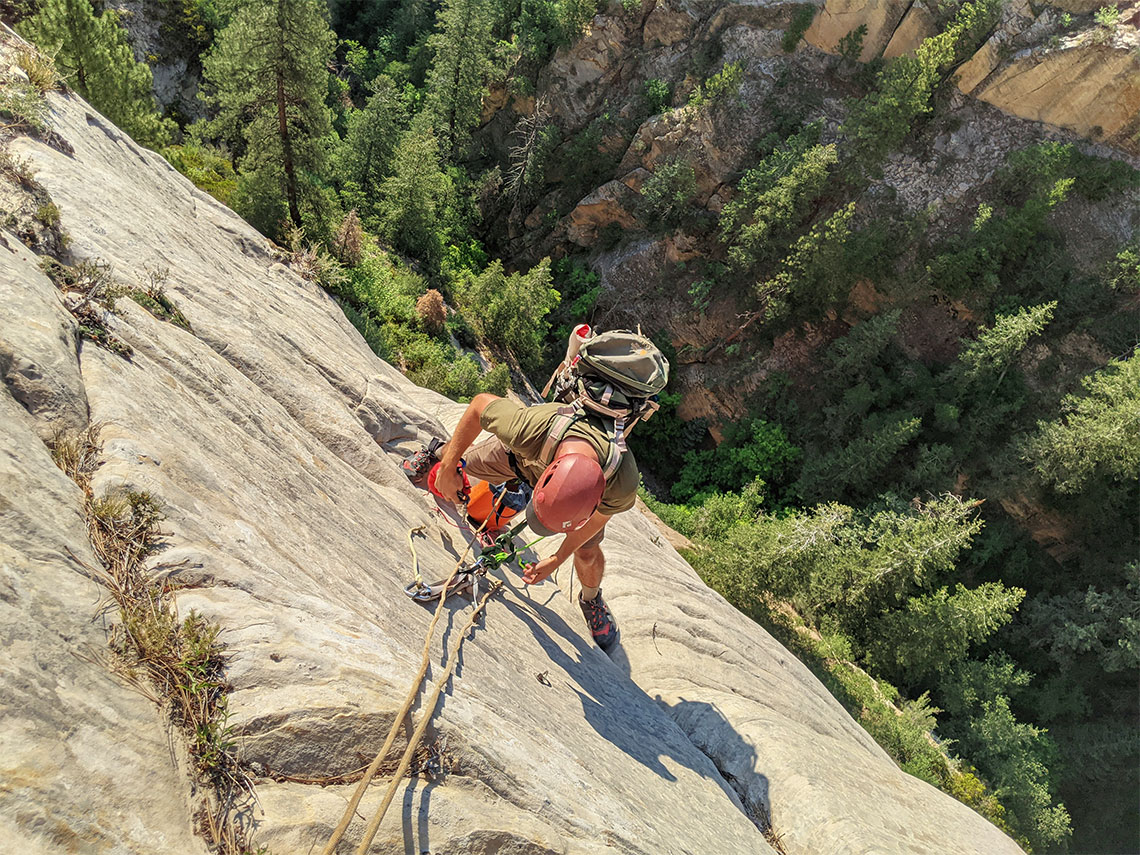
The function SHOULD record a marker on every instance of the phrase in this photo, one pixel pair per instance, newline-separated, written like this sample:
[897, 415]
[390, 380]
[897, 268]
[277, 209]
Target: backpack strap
[561, 424]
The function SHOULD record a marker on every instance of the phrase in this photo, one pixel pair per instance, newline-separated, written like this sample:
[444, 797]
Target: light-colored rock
[574, 81]
[837, 18]
[85, 763]
[272, 435]
[38, 340]
[608, 205]
[666, 26]
[636, 179]
[917, 25]
[1092, 90]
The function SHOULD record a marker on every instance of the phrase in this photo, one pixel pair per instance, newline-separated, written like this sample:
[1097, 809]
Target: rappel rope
[410, 699]
[429, 711]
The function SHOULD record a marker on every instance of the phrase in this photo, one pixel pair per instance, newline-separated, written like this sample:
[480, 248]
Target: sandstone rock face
[666, 26]
[1092, 90]
[38, 359]
[839, 17]
[85, 760]
[272, 435]
[917, 25]
[575, 79]
[609, 205]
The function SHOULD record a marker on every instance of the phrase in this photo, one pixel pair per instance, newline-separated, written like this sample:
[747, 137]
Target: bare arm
[570, 544]
[447, 481]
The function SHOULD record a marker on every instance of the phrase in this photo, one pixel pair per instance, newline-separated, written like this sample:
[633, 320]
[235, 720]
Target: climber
[573, 457]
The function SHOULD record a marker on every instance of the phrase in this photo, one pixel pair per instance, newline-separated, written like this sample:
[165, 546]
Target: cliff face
[1039, 77]
[271, 437]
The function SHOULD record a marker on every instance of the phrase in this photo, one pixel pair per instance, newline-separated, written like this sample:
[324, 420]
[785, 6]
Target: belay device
[494, 556]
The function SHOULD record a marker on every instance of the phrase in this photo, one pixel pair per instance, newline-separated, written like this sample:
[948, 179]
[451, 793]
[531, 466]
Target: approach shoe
[419, 464]
[601, 622]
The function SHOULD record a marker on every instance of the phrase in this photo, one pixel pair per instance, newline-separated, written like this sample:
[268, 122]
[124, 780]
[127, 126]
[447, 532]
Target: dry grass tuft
[348, 245]
[77, 454]
[40, 68]
[180, 663]
[312, 263]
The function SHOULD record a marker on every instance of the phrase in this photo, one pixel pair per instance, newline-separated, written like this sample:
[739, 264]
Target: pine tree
[904, 92]
[93, 54]
[1098, 439]
[774, 197]
[812, 275]
[988, 358]
[935, 631]
[363, 159]
[416, 200]
[856, 468]
[458, 77]
[268, 73]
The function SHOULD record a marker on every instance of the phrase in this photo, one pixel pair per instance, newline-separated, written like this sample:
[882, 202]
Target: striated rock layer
[271, 435]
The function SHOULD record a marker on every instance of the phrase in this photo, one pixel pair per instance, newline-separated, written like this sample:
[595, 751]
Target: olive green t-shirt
[523, 430]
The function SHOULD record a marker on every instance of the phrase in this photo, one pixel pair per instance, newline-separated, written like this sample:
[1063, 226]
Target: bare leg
[590, 565]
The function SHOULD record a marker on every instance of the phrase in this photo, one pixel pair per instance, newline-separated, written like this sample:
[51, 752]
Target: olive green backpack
[616, 375]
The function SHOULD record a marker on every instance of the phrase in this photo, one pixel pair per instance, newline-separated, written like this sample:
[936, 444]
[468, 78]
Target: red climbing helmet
[566, 495]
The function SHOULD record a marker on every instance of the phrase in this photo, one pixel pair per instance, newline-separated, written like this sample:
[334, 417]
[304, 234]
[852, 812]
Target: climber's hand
[450, 483]
[535, 573]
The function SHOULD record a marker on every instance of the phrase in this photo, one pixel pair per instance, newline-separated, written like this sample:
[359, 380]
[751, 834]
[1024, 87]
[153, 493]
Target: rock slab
[272, 435]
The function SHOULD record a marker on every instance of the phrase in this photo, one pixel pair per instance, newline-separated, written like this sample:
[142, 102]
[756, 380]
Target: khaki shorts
[488, 461]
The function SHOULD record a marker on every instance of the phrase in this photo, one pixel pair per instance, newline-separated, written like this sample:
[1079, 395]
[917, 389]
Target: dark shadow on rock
[605, 694]
[415, 816]
[732, 756]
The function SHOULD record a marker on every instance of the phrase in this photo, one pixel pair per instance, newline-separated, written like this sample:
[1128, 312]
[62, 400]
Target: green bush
[667, 195]
[510, 310]
[717, 88]
[209, 168]
[1033, 170]
[657, 95]
[752, 450]
[1124, 271]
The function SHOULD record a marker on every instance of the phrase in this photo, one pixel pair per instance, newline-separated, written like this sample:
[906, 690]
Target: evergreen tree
[856, 468]
[1014, 756]
[268, 74]
[458, 77]
[987, 359]
[812, 275]
[854, 355]
[416, 205]
[935, 631]
[93, 54]
[363, 159]
[904, 92]
[1098, 439]
[510, 310]
[997, 246]
[774, 197]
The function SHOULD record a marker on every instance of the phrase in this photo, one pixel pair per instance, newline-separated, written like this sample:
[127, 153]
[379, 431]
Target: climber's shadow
[736, 760]
[605, 693]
